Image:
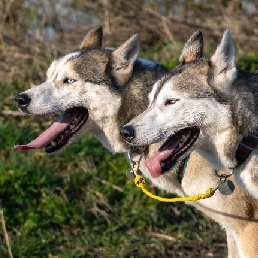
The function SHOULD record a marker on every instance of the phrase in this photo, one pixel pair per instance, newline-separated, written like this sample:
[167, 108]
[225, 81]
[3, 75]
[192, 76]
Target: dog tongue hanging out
[93, 88]
[156, 162]
[175, 146]
[60, 132]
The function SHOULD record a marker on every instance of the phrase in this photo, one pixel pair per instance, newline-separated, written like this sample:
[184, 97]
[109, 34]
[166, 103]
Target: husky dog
[238, 212]
[99, 89]
[207, 105]
[93, 87]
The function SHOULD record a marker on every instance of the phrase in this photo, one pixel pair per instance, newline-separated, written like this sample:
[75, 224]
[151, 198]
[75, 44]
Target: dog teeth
[162, 164]
[184, 138]
[71, 127]
[180, 145]
[76, 120]
[53, 144]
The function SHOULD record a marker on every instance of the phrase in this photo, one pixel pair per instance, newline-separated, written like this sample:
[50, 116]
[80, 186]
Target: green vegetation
[79, 203]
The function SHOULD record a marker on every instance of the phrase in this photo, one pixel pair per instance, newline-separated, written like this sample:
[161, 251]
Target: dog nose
[127, 132]
[22, 100]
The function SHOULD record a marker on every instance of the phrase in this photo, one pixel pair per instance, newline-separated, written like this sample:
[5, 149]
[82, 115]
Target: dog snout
[23, 99]
[127, 132]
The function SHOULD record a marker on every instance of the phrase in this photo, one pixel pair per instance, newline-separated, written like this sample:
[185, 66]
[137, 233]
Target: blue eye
[67, 80]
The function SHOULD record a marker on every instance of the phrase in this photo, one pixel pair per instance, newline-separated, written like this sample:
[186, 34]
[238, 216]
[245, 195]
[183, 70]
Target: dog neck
[107, 135]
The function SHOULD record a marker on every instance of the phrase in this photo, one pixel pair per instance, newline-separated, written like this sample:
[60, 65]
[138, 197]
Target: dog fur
[213, 95]
[98, 79]
[162, 118]
[113, 86]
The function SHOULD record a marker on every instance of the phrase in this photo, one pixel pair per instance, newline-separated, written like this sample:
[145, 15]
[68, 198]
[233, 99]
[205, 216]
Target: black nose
[127, 132]
[22, 100]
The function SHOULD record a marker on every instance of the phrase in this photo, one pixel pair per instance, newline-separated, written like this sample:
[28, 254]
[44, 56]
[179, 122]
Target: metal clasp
[135, 169]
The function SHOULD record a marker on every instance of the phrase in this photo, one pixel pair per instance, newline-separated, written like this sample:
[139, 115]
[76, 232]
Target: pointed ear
[193, 48]
[93, 38]
[224, 56]
[122, 59]
[223, 62]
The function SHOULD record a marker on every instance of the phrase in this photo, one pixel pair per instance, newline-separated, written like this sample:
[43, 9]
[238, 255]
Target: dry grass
[6, 237]
[26, 46]
[141, 227]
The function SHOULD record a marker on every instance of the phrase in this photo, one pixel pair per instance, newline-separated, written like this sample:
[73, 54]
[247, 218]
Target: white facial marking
[153, 91]
[167, 93]
[57, 65]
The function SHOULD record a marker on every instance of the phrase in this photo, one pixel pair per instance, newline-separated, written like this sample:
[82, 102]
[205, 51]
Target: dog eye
[67, 80]
[171, 101]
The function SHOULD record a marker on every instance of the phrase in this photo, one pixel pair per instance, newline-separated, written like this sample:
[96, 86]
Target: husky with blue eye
[98, 89]
[88, 87]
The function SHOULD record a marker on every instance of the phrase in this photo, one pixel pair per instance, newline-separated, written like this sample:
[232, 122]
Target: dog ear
[193, 48]
[122, 59]
[93, 38]
[223, 62]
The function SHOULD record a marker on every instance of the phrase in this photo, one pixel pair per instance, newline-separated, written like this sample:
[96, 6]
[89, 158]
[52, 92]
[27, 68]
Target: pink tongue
[153, 163]
[51, 133]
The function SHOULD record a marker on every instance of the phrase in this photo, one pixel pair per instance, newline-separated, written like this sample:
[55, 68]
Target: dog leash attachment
[139, 180]
[225, 186]
[132, 172]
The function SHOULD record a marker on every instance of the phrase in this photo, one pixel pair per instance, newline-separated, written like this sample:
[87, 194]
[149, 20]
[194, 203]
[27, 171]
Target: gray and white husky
[99, 89]
[207, 105]
[88, 86]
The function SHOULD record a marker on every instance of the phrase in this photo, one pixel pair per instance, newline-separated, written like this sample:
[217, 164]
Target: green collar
[185, 164]
[182, 168]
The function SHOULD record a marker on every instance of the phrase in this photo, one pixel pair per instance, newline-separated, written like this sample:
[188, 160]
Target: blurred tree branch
[6, 14]
[30, 28]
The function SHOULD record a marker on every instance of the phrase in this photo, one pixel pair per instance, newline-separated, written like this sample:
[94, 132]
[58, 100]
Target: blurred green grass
[68, 205]
[79, 203]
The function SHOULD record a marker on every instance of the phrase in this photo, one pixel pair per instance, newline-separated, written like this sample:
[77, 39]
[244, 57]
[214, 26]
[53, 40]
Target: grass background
[79, 203]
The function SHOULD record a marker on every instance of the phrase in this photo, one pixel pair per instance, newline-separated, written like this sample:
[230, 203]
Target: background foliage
[79, 203]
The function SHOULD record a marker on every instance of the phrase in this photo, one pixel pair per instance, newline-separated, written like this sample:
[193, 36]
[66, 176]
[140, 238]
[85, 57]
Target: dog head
[84, 85]
[154, 166]
[190, 109]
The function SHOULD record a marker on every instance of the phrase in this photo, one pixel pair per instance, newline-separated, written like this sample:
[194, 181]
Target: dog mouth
[60, 132]
[171, 150]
